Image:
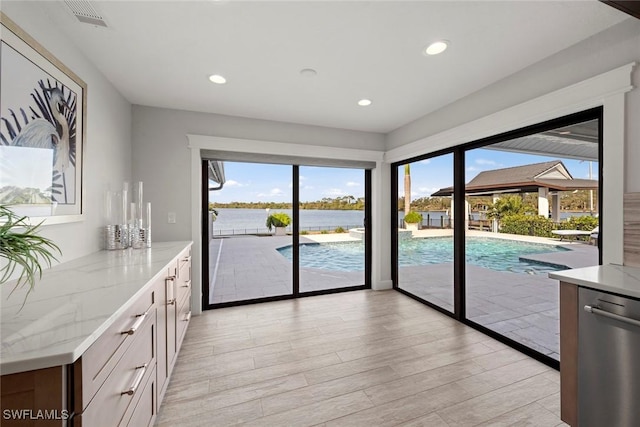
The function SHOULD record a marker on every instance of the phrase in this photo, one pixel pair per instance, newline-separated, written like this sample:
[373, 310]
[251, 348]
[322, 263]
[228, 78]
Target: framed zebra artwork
[42, 130]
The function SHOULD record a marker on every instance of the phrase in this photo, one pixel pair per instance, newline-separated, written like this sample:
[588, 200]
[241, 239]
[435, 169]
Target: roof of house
[523, 179]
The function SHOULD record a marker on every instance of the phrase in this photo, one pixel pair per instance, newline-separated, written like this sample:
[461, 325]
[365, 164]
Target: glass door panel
[531, 209]
[425, 233]
[332, 233]
[251, 221]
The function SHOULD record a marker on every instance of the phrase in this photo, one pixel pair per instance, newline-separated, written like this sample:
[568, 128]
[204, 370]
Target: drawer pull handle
[186, 284]
[140, 319]
[136, 381]
[169, 283]
[186, 259]
[596, 310]
[187, 317]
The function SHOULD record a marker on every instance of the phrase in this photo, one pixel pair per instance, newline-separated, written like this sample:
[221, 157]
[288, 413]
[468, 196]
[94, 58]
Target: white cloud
[273, 192]
[472, 169]
[486, 162]
[425, 161]
[232, 183]
[353, 184]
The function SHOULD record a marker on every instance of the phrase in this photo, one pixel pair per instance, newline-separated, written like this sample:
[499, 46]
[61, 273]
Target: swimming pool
[496, 254]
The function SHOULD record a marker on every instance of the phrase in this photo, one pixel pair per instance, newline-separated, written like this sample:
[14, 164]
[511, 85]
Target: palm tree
[407, 188]
[507, 205]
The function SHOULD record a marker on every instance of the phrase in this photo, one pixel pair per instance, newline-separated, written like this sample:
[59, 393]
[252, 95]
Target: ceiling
[160, 53]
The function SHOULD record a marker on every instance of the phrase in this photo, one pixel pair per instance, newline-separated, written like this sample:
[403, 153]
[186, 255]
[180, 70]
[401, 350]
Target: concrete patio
[523, 307]
[250, 267]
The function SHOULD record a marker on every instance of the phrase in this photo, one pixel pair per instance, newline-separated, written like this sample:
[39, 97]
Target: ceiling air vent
[85, 12]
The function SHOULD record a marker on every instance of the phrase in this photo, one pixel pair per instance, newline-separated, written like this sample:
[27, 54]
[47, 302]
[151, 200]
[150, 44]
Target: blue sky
[254, 182]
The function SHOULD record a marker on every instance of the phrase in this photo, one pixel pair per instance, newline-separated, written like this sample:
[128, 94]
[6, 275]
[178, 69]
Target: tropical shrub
[413, 218]
[527, 225]
[304, 232]
[585, 223]
[324, 232]
[340, 230]
[278, 219]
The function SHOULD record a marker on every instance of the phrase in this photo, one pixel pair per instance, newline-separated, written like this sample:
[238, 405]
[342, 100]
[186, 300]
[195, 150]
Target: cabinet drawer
[184, 275]
[144, 413]
[125, 383]
[182, 321]
[100, 359]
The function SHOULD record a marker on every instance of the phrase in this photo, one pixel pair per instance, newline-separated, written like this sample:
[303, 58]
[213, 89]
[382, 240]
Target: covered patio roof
[523, 179]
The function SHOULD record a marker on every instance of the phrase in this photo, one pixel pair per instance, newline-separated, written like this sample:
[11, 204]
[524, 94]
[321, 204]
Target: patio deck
[250, 267]
[521, 306]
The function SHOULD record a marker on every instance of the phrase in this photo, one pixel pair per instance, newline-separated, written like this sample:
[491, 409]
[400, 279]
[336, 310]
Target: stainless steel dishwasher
[608, 360]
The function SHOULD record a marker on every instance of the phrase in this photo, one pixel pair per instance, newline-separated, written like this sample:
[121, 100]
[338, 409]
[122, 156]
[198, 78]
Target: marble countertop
[613, 278]
[74, 303]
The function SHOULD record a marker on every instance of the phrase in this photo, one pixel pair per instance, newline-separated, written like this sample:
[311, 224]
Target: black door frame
[459, 262]
[295, 171]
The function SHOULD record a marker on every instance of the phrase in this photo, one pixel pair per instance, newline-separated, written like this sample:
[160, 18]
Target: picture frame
[43, 108]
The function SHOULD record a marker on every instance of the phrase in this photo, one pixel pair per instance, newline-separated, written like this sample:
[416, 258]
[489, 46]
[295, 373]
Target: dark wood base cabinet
[569, 353]
[121, 378]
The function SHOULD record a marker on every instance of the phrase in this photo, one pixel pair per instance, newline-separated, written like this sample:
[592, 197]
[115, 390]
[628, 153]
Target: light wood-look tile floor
[362, 358]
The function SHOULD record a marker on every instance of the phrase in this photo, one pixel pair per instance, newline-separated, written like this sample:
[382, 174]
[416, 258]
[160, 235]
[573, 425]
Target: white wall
[162, 160]
[107, 151]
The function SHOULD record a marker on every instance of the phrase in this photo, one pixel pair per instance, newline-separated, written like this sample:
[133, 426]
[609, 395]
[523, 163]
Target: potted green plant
[23, 249]
[279, 221]
[412, 221]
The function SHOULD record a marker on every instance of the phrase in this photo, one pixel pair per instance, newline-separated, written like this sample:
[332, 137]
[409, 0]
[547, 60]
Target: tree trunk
[407, 189]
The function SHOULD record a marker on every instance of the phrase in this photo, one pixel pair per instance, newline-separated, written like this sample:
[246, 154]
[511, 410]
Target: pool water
[495, 254]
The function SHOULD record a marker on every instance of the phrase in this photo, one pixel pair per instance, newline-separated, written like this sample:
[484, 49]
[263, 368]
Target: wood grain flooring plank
[172, 415]
[316, 413]
[408, 386]
[364, 358]
[532, 415]
[326, 390]
[431, 420]
[407, 409]
[506, 399]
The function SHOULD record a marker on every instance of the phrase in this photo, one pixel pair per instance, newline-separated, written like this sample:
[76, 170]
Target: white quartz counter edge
[75, 303]
[613, 278]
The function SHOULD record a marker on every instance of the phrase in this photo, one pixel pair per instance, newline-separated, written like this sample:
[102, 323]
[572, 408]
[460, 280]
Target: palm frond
[24, 249]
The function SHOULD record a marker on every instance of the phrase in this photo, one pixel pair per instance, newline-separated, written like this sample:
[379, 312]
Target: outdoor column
[543, 203]
[555, 207]
[451, 214]
[467, 210]
[494, 222]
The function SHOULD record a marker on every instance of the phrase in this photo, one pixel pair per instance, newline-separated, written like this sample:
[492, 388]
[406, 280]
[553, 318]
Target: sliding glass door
[523, 204]
[278, 231]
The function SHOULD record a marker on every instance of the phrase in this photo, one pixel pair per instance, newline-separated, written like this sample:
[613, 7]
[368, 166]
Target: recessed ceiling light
[308, 72]
[436, 47]
[218, 79]
[364, 102]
